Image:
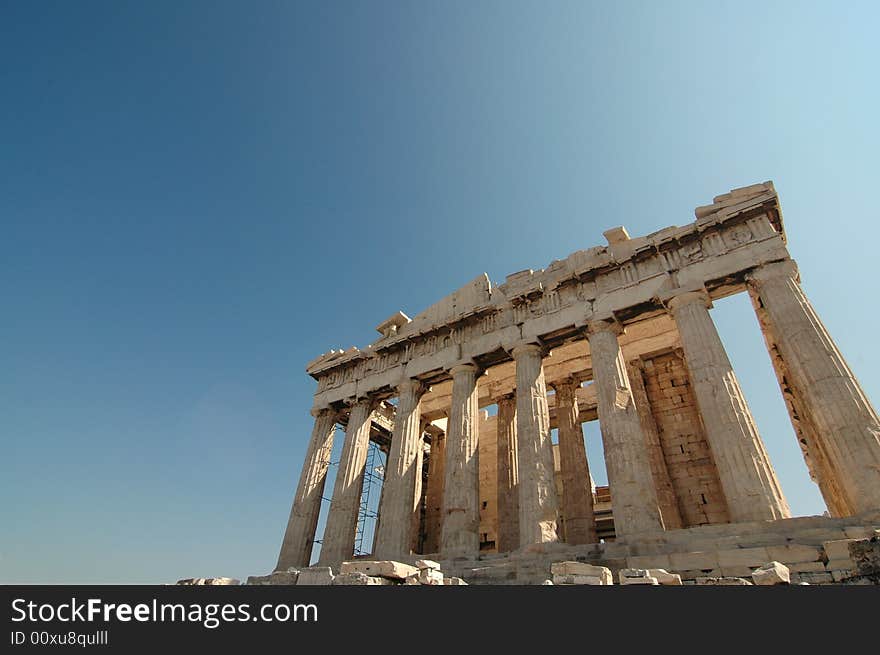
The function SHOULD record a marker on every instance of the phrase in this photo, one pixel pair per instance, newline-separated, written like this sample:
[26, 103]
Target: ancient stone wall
[488, 483]
[685, 449]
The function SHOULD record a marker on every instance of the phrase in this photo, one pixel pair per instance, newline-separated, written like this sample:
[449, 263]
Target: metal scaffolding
[371, 492]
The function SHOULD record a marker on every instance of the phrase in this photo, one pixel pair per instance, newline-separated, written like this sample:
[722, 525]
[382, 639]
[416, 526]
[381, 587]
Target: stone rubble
[382, 568]
[357, 578]
[580, 573]
[315, 576]
[208, 581]
[288, 577]
[734, 582]
[636, 576]
[772, 573]
[665, 578]
[389, 572]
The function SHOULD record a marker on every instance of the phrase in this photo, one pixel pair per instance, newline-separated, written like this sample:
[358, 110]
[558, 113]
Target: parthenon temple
[463, 397]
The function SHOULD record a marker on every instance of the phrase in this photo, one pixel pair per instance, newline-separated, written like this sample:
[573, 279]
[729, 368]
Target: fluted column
[847, 425]
[296, 548]
[747, 478]
[806, 433]
[537, 488]
[339, 532]
[633, 497]
[401, 490]
[508, 486]
[577, 494]
[460, 534]
[667, 499]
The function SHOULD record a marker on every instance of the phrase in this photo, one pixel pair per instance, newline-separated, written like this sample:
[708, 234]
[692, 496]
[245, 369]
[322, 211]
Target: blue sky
[197, 198]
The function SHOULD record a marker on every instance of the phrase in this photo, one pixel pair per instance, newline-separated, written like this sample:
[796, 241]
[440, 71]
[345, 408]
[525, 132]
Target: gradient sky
[197, 198]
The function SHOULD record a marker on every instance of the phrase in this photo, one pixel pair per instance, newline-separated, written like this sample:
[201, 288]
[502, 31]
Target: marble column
[847, 425]
[460, 535]
[508, 487]
[537, 488]
[577, 494]
[402, 488]
[633, 496]
[747, 478]
[805, 430]
[339, 532]
[434, 493]
[296, 548]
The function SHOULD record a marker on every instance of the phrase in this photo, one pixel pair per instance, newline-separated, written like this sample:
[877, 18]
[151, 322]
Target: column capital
[564, 382]
[688, 297]
[604, 325]
[412, 386]
[637, 363]
[527, 348]
[325, 410]
[766, 272]
[370, 402]
[463, 367]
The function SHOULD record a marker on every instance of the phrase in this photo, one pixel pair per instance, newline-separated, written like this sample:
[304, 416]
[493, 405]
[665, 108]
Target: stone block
[648, 562]
[694, 561]
[705, 210]
[840, 565]
[737, 571]
[562, 579]
[772, 573]
[664, 577]
[288, 577]
[701, 573]
[427, 564]
[381, 568]
[859, 532]
[430, 577]
[750, 557]
[730, 582]
[837, 549]
[359, 579]
[454, 581]
[315, 576]
[636, 576]
[816, 578]
[807, 567]
[816, 536]
[582, 569]
[792, 553]
[749, 191]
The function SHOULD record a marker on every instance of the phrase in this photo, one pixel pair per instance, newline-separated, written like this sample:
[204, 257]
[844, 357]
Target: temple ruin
[621, 334]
